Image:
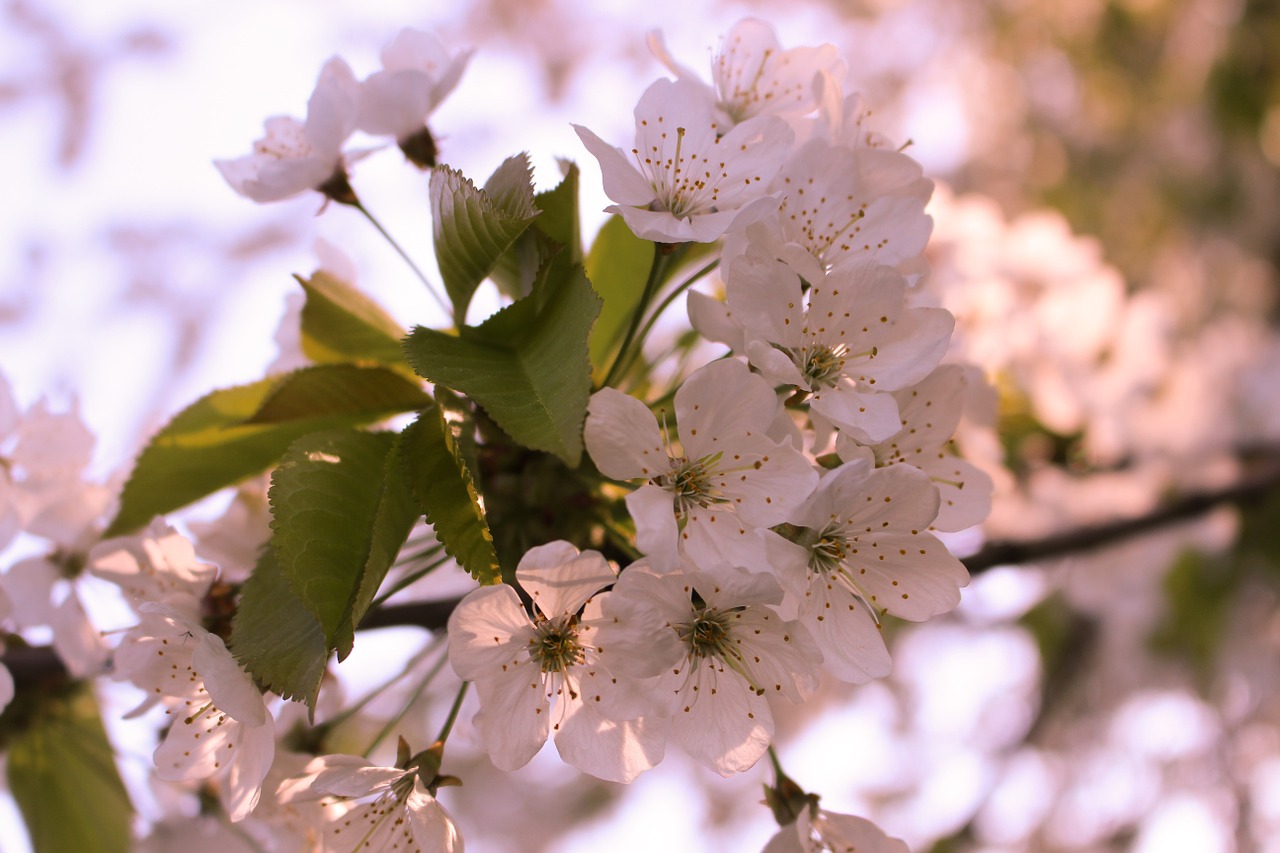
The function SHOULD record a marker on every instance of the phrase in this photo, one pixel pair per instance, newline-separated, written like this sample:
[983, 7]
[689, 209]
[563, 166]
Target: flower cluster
[782, 502]
[295, 156]
[786, 502]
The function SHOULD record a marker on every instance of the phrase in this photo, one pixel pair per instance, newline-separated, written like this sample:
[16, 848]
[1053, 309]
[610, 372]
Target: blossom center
[829, 552]
[554, 646]
[691, 482]
[824, 365]
[708, 635]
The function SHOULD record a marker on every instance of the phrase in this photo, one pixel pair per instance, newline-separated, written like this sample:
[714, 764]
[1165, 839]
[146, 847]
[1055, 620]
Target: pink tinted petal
[433, 827]
[229, 686]
[515, 715]
[622, 437]
[488, 630]
[560, 580]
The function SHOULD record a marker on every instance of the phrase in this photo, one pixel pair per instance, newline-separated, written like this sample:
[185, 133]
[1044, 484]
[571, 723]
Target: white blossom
[221, 728]
[727, 479]
[524, 666]
[753, 75]
[829, 831]
[296, 156]
[402, 815]
[417, 74]
[864, 549]
[713, 650]
[688, 176]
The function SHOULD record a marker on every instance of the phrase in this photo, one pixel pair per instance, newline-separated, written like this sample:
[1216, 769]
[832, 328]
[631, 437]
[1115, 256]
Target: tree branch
[30, 665]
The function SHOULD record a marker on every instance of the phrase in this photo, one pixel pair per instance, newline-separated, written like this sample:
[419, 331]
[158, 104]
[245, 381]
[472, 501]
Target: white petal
[229, 686]
[243, 785]
[727, 726]
[609, 749]
[515, 715]
[560, 580]
[622, 182]
[622, 437]
[488, 630]
[433, 827]
[852, 646]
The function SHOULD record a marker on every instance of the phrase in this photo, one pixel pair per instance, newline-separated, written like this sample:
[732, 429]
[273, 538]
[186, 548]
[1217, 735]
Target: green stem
[414, 576]
[661, 259]
[417, 694]
[403, 254]
[453, 713]
[358, 706]
[662, 307]
[777, 765]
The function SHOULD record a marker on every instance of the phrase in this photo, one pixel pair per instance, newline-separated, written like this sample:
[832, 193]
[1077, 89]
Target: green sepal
[234, 433]
[441, 484]
[62, 773]
[276, 637]
[527, 365]
[474, 227]
[341, 510]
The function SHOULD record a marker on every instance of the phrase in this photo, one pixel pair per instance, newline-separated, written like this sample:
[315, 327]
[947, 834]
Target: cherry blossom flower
[817, 830]
[152, 565]
[930, 411]
[521, 666]
[846, 341]
[753, 75]
[222, 729]
[402, 815]
[418, 73]
[297, 156]
[713, 650]
[862, 549]
[839, 203]
[728, 478]
[688, 176]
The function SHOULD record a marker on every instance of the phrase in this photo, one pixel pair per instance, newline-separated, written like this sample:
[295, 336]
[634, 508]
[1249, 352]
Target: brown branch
[1261, 480]
[30, 665]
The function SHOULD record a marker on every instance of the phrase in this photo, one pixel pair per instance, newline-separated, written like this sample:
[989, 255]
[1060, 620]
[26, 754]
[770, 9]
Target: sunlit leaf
[63, 775]
[342, 324]
[234, 433]
[555, 237]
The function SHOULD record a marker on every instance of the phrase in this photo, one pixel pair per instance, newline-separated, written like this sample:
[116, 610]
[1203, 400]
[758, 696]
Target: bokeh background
[1108, 234]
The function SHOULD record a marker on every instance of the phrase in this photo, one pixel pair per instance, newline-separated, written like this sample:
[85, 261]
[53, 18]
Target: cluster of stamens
[555, 646]
[691, 482]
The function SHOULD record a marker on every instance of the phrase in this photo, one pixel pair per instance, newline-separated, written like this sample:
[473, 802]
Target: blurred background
[1107, 233]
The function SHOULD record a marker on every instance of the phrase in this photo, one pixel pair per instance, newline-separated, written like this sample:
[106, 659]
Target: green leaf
[62, 772]
[335, 390]
[441, 483]
[556, 234]
[341, 510]
[276, 638]
[234, 433]
[618, 266]
[474, 227]
[526, 365]
[342, 324]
